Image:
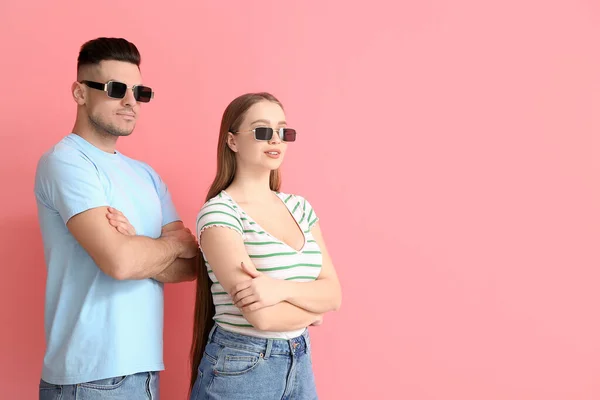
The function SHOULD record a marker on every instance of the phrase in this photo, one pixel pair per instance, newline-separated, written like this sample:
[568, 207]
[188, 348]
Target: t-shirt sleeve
[68, 183]
[169, 212]
[308, 213]
[218, 213]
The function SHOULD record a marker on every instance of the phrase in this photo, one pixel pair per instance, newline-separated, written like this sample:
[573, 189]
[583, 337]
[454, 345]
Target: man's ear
[78, 92]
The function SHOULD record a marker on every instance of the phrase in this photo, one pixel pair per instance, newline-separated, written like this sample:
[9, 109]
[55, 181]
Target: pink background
[450, 148]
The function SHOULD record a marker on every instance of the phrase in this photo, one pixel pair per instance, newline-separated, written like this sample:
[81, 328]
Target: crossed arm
[121, 254]
[270, 304]
[182, 269]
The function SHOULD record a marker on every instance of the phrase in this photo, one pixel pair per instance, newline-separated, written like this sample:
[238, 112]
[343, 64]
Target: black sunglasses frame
[110, 87]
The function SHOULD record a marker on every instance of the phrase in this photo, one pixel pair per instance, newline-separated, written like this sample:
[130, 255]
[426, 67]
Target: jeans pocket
[211, 352]
[234, 361]
[49, 391]
[105, 384]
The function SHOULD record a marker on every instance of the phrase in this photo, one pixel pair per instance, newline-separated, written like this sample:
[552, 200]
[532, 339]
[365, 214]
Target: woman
[265, 267]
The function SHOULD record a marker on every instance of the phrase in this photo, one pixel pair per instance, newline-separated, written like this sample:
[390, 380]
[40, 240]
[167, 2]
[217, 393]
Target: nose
[129, 99]
[275, 139]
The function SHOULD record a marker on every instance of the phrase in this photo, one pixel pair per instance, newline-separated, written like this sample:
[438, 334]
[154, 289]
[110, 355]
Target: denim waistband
[296, 346]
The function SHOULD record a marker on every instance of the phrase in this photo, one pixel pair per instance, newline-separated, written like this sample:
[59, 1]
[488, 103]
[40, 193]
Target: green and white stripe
[270, 255]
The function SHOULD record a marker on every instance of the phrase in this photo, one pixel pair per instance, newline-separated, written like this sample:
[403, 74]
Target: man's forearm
[141, 257]
[181, 270]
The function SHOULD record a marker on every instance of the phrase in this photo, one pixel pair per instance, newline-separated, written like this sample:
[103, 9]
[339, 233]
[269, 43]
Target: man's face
[108, 115]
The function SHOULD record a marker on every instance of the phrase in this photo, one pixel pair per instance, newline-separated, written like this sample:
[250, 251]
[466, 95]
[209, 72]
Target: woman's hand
[259, 292]
[120, 222]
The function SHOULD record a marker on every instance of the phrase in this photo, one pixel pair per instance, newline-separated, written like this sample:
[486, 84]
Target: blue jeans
[236, 366]
[142, 386]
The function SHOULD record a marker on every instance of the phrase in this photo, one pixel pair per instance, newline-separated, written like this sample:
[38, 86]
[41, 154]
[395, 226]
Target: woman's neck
[251, 187]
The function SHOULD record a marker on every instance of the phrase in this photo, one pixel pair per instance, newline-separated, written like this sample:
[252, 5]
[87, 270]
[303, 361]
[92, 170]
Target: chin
[120, 133]
[273, 164]
[125, 130]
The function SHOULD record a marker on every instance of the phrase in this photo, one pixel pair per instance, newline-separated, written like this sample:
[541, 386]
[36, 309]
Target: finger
[247, 301]
[112, 216]
[123, 227]
[241, 286]
[250, 271]
[253, 307]
[192, 238]
[121, 221]
[242, 294]
[116, 217]
[130, 229]
[113, 210]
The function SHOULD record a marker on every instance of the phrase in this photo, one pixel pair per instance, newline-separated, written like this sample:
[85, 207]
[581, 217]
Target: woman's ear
[231, 142]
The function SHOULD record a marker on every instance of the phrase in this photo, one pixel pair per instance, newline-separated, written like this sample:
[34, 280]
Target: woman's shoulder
[220, 202]
[290, 198]
[219, 211]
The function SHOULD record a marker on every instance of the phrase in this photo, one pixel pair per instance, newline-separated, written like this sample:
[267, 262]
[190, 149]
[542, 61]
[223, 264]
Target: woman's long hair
[204, 310]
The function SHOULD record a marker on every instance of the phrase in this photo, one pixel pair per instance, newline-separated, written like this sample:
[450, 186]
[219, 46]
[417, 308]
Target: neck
[250, 186]
[102, 140]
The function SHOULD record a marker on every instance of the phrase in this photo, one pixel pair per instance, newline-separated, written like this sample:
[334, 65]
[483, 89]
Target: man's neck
[105, 142]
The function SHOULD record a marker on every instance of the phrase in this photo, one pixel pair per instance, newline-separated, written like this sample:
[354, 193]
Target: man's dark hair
[101, 49]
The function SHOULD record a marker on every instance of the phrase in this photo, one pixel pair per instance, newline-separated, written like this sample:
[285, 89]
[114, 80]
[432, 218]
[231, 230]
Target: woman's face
[263, 154]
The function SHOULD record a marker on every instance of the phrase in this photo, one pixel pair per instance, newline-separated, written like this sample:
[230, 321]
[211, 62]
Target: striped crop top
[270, 255]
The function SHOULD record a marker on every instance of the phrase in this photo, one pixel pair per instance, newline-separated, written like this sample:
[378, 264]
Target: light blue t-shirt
[98, 327]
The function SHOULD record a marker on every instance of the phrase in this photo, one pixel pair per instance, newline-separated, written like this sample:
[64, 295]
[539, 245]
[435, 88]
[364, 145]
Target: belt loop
[268, 349]
[212, 331]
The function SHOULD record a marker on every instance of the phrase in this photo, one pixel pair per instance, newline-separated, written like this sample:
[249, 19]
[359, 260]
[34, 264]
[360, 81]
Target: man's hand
[186, 239]
[183, 236]
[120, 222]
[258, 292]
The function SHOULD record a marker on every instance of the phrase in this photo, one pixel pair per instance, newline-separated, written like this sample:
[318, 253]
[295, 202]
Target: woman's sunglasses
[266, 133]
[117, 90]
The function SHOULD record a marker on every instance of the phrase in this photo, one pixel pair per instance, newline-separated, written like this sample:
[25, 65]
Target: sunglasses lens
[116, 90]
[263, 133]
[289, 135]
[143, 94]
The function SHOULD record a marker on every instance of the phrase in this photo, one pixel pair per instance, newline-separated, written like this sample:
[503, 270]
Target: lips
[126, 113]
[273, 153]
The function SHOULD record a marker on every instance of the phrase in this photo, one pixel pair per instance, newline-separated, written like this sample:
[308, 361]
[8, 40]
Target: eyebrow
[264, 121]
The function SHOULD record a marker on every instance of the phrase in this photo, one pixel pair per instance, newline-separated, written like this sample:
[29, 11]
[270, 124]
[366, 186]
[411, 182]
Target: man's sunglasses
[117, 90]
[266, 133]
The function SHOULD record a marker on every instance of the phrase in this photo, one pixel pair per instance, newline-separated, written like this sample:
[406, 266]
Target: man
[104, 290]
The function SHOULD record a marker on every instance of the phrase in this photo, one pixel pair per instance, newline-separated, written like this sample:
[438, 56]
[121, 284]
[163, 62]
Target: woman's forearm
[281, 317]
[320, 296]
